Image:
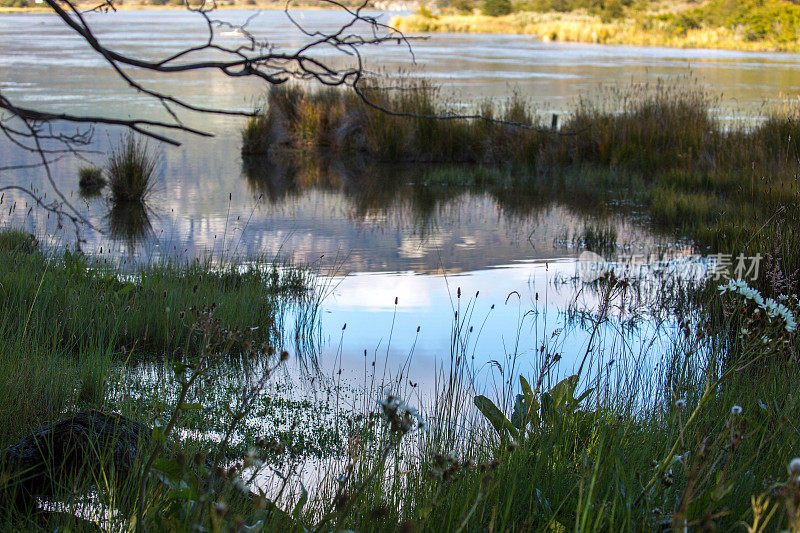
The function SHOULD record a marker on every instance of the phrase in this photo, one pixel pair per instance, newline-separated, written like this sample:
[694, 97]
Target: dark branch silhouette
[33, 130]
[36, 131]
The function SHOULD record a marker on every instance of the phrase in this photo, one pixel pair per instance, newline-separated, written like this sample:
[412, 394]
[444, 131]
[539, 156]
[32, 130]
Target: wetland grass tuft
[81, 304]
[131, 171]
[91, 181]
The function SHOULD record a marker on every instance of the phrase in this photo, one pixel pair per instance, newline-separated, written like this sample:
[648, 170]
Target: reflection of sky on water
[378, 330]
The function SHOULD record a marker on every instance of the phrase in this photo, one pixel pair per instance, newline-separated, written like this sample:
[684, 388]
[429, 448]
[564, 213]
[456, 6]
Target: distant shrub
[612, 10]
[776, 20]
[463, 6]
[496, 8]
[426, 12]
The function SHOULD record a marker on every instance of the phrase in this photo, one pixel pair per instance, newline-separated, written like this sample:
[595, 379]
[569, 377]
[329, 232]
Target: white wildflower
[736, 410]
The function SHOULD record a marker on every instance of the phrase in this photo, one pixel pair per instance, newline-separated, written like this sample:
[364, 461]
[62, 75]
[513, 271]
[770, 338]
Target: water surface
[407, 241]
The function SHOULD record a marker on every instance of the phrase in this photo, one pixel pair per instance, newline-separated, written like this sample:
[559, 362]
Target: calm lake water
[395, 255]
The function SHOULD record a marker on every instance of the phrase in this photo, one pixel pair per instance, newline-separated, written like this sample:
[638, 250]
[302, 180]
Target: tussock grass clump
[131, 171]
[340, 123]
[91, 180]
[255, 135]
[646, 127]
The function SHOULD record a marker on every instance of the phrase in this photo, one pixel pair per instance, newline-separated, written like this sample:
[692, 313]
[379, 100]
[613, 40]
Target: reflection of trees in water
[130, 223]
[421, 190]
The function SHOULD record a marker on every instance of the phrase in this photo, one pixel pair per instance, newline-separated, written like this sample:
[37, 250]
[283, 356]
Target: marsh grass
[643, 127]
[690, 442]
[17, 241]
[339, 123]
[131, 169]
[629, 447]
[72, 326]
[255, 135]
[654, 145]
[91, 180]
[83, 304]
[601, 239]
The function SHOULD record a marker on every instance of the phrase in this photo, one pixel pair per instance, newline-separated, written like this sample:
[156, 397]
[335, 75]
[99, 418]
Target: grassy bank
[149, 342]
[740, 25]
[731, 189]
[79, 304]
[707, 438]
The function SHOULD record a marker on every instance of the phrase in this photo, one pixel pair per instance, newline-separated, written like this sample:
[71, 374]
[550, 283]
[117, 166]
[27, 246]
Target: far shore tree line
[756, 20]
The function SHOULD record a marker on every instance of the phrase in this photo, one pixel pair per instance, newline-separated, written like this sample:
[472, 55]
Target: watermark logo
[592, 266]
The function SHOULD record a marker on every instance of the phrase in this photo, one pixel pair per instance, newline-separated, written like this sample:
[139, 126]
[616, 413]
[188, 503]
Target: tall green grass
[81, 304]
[702, 439]
[72, 326]
[692, 442]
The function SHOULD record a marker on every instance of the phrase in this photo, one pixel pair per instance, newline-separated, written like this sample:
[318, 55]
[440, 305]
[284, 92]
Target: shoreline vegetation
[744, 25]
[705, 438]
[697, 432]
[731, 190]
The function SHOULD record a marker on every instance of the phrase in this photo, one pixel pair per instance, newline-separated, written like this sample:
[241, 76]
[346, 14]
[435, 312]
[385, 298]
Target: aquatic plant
[91, 180]
[131, 169]
[255, 135]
